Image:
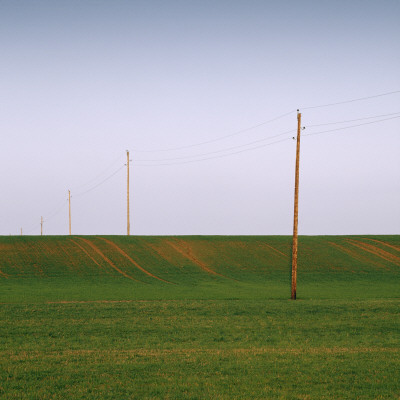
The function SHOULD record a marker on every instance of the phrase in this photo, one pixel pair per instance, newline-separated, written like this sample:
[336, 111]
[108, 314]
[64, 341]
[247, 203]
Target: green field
[199, 317]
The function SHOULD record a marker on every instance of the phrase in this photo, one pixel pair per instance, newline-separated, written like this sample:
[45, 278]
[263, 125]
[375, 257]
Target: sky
[204, 96]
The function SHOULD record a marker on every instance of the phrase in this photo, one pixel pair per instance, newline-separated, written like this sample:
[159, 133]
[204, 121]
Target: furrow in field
[183, 248]
[355, 255]
[86, 252]
[276, 250]
[397, 248]
[3, 274]
[375, 251]
[133, 261]
[109, 262]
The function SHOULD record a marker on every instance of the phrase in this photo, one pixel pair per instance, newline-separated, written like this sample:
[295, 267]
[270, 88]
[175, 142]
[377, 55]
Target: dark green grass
[195, 349]
[71, 328]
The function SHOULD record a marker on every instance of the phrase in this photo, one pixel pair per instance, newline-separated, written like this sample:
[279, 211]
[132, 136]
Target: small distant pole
[296, 211]
[128, 226]
[21, 231]
[69, 208]
[41, 226]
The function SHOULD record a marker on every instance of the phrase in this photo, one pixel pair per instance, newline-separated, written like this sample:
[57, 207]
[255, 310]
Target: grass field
[199, 318]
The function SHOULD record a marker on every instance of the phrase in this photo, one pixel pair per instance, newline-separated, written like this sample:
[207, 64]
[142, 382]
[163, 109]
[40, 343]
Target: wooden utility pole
[69, 208]
[21, 231]
[41, 226]
[296, 211]
[128, 226]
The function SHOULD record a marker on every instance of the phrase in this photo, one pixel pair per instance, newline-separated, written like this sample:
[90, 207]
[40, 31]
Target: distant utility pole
[21, 231]
[69, 208]
[41, 226]
[296, 211]
[128, 226]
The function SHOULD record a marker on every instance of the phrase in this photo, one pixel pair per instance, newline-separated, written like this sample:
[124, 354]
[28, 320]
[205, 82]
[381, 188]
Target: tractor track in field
[86, 252]
[375, 251]
[109, 262]
[133, 261]
[276, 250]
[355, 255]
[397, 248]
[187, 252]
[3, 274]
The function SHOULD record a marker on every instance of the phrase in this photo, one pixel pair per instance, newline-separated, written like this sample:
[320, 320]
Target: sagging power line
[350, 101]
[218, 151]
[229, 151]
[208, 156]
[216, 139]
[100, 183]
[100, 174]
[349, 127]
[136, 150]
[353, 120]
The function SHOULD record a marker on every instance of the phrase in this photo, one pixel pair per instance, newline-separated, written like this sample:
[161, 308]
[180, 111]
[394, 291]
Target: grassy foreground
[199, 318]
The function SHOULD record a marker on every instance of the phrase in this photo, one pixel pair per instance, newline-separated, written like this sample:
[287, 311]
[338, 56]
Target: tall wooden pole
[296, 211]
[128, 226]
[69, 209]
[41, 226]
[21, 231]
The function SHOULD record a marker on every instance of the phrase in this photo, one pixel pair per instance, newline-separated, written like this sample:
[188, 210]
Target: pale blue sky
[82, 81]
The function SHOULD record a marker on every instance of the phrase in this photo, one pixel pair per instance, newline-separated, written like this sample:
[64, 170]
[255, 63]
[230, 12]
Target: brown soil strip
[354, 255]
[23, 355]
[187, 252]
[133, 261]
[278, 251]
[3, 274]
[86, 252]
[104, 301]
[159, 250]
[109, 262]
[397, 248]
[375, 251]
[89, 301]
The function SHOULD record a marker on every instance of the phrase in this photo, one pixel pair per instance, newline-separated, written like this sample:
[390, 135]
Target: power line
[64, 203]
[351, 126]
[252, 148]
[350, 101]
[57, 211]
[244, 147]
[165, 161]
[51, 216]
[219, 138]
[215, 157]
[33, 228]
[353, 120]
[100, 183]
[262, 123]
[261, 140]
[219, 151]
[100, 174]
